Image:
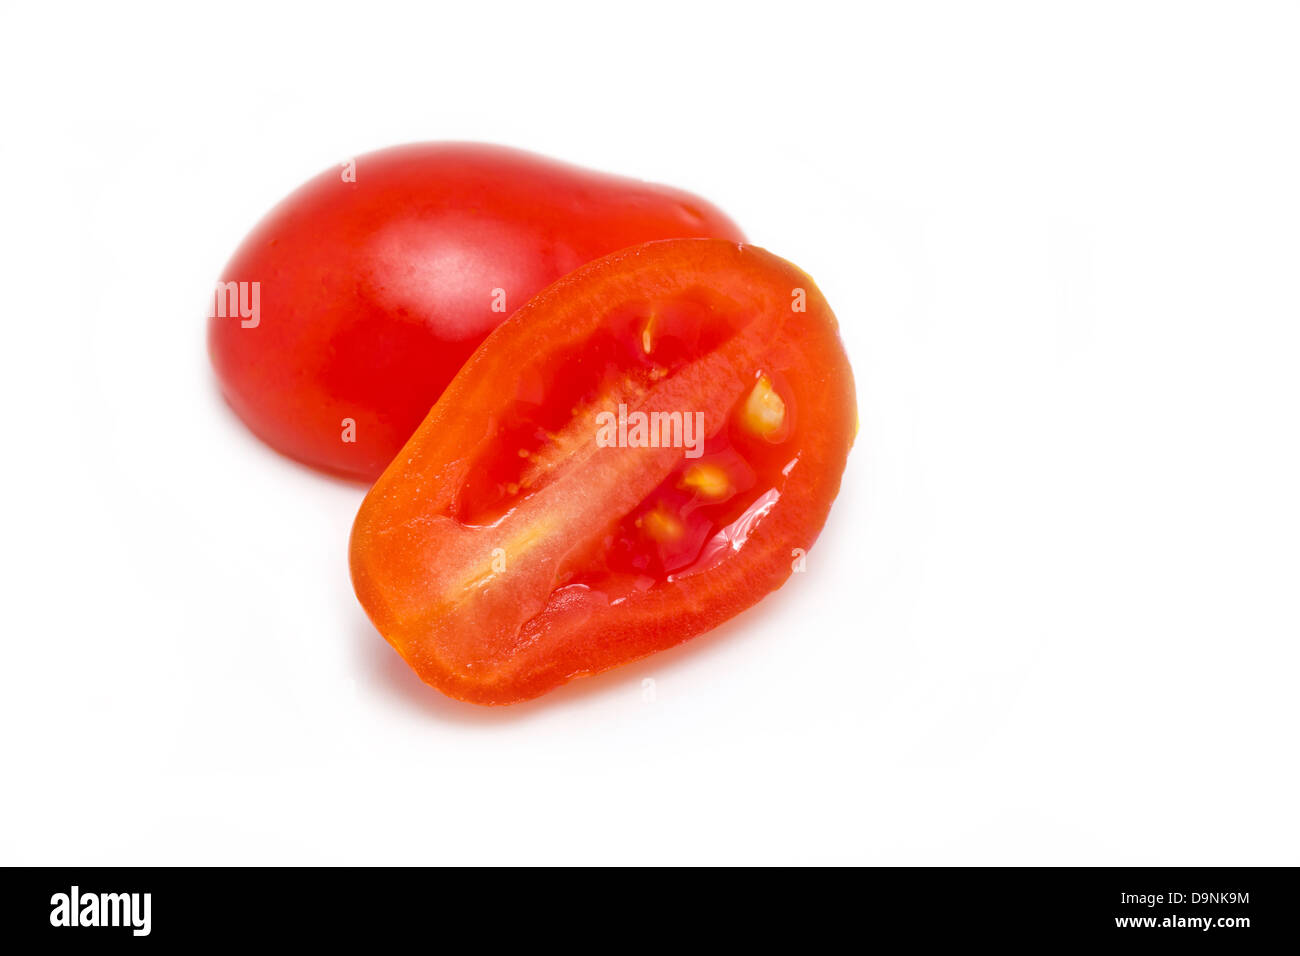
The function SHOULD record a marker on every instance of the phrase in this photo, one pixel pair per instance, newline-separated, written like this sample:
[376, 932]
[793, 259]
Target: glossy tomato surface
[642, 451]
[374, 282]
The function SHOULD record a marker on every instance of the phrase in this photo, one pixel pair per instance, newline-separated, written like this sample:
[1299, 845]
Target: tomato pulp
[348, 309]
[642, 451]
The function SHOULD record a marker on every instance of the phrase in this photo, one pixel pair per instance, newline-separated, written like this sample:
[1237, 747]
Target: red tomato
[642, 451]
[364, 294]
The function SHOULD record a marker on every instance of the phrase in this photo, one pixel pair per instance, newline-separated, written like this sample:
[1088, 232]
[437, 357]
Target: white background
[1053, 617]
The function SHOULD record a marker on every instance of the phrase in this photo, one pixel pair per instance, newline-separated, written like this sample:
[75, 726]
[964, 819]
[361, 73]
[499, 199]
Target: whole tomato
[347, 310]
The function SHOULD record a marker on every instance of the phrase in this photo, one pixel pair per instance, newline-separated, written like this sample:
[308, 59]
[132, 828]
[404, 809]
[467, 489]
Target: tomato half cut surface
[642, 451]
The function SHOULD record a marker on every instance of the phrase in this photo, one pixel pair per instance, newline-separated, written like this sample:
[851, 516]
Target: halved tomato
[344, 314]
[642, 451]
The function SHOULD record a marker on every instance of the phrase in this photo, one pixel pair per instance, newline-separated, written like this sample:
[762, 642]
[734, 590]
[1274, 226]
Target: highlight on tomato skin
[644, 450]
[345, 312]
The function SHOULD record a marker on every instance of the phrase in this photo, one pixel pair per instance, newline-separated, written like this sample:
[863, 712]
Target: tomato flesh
[375, 288]
[635, 456]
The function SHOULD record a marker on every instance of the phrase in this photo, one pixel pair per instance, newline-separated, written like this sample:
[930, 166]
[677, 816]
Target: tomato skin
[374, 292]
[560, 605]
